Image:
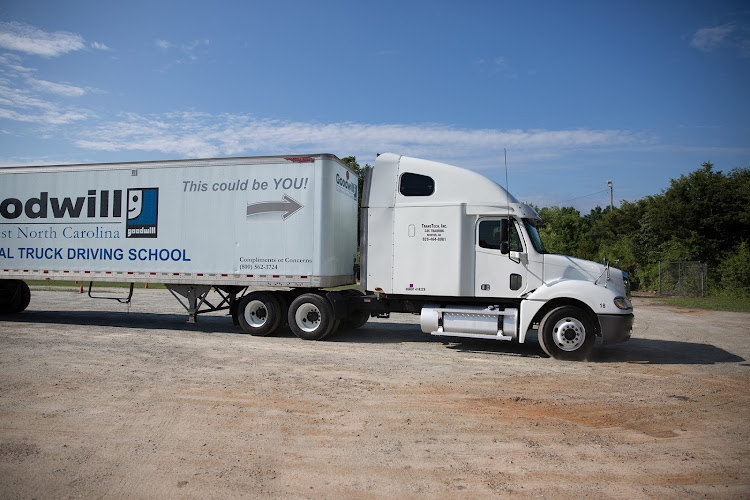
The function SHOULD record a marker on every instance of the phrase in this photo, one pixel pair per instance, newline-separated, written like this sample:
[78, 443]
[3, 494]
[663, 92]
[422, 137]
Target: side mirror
[504, 237]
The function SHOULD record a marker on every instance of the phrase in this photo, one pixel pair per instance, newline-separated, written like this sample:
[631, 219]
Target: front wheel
[311, 317]
[567, 333]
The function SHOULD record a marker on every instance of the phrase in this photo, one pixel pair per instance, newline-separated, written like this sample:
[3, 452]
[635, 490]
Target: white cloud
[189, 51]
[99, 46]
[712, 38]
[31, 40]
[48, 117]
[495, 65]
[10, 65]
[708, 39]
[201, 135]
[23, 96]
[22, 105]
[57, 88]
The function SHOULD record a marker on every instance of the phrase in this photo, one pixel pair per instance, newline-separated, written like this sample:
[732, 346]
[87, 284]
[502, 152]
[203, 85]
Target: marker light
[623, 303]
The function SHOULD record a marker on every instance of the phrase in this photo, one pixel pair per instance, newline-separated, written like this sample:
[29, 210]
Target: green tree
[696, 218]
[700, 216]
[734, 270]
[561, 229]
[351, 161]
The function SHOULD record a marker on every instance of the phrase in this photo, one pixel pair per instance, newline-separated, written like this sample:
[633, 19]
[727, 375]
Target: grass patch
[354, 286]
[712, 302]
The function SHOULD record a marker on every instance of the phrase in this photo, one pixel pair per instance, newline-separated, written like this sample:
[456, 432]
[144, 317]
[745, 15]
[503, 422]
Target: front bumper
[615, 327]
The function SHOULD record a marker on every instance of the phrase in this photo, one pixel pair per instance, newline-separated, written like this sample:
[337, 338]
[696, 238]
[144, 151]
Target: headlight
[623, 303]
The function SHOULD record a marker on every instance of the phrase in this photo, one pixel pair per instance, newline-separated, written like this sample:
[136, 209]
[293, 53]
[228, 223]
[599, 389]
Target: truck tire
[357, 318]
[15, 296]
[283, 307]
[567, 333]
[355, 321]
[311, 317]
[259, 313]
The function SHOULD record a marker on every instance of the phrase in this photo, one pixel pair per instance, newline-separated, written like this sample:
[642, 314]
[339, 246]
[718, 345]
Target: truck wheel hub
[308, 317]
[256, 313]
[569, 334]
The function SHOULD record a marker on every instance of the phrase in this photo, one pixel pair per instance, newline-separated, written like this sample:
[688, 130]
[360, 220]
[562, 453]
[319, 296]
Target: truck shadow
[635, 350]
[398, 333]
[119, 319]
[664, 352]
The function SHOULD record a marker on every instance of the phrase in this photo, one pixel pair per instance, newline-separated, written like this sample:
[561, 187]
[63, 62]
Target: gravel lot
[104, 400]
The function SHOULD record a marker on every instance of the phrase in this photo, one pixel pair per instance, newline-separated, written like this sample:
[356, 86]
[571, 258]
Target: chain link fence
[682, 278]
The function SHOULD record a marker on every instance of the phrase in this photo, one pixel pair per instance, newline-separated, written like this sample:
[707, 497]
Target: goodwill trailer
[269, 234]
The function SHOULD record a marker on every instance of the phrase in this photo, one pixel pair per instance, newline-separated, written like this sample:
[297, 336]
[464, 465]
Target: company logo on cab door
[143, 213]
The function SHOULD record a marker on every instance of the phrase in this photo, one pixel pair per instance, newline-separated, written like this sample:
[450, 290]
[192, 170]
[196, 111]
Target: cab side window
[490, 232]
[416, 185]
[515, 240]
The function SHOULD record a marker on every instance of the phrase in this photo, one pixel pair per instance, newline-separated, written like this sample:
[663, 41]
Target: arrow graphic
[288, 205]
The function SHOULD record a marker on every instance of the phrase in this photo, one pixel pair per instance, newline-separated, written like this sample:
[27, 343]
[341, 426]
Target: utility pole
[611, 199]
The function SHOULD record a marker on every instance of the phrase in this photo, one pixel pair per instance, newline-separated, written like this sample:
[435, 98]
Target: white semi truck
[269, 235]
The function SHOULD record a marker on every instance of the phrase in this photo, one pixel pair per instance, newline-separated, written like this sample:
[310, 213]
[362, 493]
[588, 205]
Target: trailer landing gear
[195, 299]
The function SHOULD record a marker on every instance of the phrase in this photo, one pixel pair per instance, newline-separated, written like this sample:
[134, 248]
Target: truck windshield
[534, 235]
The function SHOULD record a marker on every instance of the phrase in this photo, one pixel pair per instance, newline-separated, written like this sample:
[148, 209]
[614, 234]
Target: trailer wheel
[567, 333]
[259, 313]
[15, 296]
[311, 317]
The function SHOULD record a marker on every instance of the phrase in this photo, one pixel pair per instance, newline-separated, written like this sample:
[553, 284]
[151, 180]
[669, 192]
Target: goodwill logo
[143, 213]
[343, 182]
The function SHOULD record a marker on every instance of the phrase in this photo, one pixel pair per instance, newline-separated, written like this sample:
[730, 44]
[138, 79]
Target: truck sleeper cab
[458, 248]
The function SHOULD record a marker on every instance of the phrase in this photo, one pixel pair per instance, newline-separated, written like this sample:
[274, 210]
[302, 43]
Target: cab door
[501, 259]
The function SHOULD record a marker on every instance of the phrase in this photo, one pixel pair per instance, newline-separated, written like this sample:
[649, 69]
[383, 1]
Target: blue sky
[579, 93]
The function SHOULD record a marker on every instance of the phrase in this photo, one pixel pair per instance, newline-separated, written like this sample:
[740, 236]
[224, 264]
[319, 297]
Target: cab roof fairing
[456, 185]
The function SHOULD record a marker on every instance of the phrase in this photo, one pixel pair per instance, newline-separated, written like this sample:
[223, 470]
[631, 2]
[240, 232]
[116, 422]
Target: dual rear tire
[15, 296]
[310, 315]
[260, 313]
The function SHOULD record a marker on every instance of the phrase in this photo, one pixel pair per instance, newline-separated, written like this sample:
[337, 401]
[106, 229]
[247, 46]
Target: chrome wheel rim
[568, 334]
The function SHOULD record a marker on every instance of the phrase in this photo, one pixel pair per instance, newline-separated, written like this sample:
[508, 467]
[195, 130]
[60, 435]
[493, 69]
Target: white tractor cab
[458, 248]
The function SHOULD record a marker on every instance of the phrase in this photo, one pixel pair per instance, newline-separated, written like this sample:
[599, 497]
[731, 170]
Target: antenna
[507, 188]
[507, 193]
[507, 202]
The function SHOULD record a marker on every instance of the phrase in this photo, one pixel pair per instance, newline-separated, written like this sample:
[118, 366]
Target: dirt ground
[104, 400]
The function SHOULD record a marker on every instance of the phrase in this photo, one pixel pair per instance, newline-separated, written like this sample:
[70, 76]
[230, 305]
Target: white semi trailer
[269, 234]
